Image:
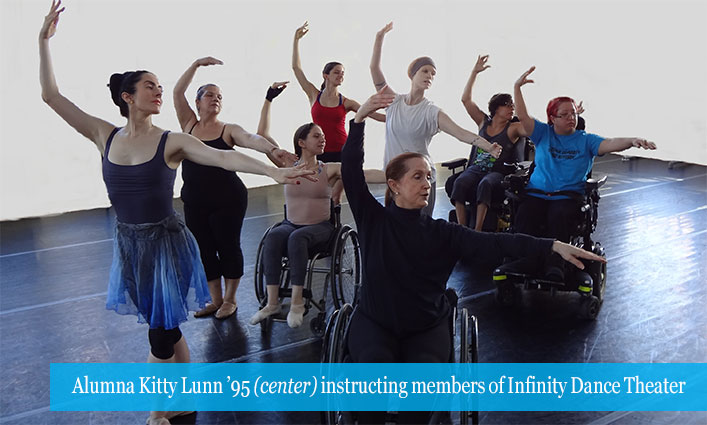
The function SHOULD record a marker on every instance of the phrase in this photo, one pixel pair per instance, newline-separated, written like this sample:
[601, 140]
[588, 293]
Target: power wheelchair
[497, 217]
[463, 327]
[342, 273]
[510, 282]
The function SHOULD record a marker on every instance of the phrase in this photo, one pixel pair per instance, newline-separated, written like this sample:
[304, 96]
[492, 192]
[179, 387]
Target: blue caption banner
[381, 386]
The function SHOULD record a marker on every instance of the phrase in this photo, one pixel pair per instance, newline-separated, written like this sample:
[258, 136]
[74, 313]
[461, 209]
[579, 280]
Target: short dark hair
[124, 82]
[497, 100]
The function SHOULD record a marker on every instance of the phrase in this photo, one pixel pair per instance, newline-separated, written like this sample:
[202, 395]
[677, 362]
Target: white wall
[640, 68]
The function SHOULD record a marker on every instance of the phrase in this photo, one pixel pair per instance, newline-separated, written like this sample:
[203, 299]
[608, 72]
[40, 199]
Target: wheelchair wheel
[598, 272]
[589, 307]
[261, 292]
[318, 325]
[468, 353]
[346, 268]
[334, 351]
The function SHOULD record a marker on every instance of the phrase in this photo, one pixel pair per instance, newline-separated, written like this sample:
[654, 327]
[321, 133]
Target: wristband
[273, 93]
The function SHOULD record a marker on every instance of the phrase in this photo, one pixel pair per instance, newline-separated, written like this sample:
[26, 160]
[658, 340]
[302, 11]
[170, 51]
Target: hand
[580, 108]
[481, 64]
[496, 150]
[207, 61]
[373, 103]
[282, 157]
[523, 80]
[301, 31]
[386, 29]
[643, 143]
[275, 89]
[292, 175]
[572, 254]
[50, 21]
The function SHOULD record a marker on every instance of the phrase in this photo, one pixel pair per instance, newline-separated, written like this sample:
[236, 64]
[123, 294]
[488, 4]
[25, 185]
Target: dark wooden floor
[653, 223]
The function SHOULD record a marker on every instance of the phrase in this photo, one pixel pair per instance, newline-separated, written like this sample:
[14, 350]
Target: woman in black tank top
[479, 181]
[150, 257]
[215, 200]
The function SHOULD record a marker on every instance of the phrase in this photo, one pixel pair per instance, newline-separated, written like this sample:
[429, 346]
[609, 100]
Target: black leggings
[218, 233]
[368, 342]
[162, 341]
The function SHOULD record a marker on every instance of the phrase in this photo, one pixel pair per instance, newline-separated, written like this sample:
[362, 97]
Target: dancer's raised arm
[309, 88]
[471, 107]
[376, 71]
[185, 114]
[521, 110]
[93, 128]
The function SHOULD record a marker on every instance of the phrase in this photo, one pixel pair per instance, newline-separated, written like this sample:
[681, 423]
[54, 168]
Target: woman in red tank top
[329, 107]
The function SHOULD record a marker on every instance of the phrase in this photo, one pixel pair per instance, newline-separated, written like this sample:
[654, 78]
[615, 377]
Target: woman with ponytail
[156, 272]
[329, 107]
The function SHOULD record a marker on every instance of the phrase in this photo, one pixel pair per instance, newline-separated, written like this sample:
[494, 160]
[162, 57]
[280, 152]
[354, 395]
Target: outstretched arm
[186, 116]
[450, 127]
[376, 71]
[618, 144]
[183, 146]
[278, 156]
[309, 88]
[471, 107]
[521, 111]
[94, 129]
[371, 175]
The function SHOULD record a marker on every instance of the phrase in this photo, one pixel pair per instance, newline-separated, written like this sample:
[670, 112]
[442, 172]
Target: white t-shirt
[409, 128]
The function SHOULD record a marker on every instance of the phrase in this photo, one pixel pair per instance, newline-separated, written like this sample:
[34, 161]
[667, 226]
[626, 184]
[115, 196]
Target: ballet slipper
[207, 311]
[264, 313]
[225, 310]
[296, 315]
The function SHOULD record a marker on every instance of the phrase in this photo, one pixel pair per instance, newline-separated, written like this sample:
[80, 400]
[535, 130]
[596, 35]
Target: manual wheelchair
[342, 273]
[461, 325]
[510, 281]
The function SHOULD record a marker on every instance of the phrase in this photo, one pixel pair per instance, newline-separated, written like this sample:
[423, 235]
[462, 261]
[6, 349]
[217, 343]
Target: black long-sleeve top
[408, 257]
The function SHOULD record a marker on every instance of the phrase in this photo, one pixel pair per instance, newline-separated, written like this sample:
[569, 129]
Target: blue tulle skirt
[156, 273]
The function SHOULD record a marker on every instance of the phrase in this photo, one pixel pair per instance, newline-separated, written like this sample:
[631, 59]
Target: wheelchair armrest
[455, 163]
[594, 184]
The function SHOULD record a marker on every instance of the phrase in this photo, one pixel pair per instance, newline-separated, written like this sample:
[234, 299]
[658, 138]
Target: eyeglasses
[567, 115]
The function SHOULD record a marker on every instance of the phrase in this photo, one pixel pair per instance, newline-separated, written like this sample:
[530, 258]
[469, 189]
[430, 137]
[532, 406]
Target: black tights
[162, 341]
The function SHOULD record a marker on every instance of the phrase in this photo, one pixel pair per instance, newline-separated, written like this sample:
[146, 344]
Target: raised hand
[572, 254]
[301, 31]
[373, 103]
[275, 89]
[386, 29]
[480, 65]
[580, 108]
[208, 61]
[51, 21]
[523, 80]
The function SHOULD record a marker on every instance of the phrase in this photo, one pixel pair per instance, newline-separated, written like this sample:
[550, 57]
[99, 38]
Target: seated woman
[483, 177]
[407, 256]
[563, 158]
[308, 215]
